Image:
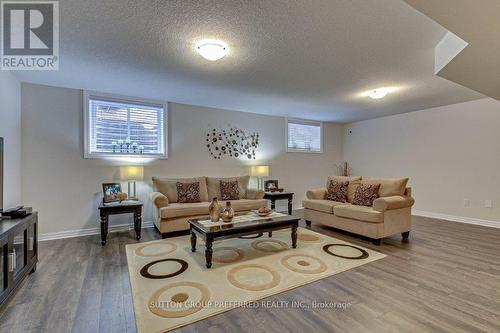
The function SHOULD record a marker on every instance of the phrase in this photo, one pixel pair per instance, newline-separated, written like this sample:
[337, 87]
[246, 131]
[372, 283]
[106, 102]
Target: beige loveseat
[170, 215]
[389, 215]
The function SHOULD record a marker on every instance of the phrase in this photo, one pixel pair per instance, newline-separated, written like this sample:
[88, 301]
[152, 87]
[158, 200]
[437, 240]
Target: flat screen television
[1, 174]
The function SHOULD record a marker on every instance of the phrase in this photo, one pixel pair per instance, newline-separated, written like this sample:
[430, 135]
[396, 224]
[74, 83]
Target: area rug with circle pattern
[171, 287]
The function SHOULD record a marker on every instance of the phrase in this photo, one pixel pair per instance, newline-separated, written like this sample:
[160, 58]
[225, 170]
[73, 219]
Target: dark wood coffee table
[232, 230]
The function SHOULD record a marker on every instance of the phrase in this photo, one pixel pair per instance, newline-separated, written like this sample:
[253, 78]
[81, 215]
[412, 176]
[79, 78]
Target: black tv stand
[18, 253]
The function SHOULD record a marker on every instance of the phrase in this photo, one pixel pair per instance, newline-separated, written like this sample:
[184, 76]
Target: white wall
[66, 189]
[10, 130]
[450, 153]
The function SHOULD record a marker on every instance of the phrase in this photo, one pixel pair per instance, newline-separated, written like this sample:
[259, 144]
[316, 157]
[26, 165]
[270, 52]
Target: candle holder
[127, 147]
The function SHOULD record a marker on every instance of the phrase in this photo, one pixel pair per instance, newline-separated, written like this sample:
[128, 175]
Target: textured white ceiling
[306, 58]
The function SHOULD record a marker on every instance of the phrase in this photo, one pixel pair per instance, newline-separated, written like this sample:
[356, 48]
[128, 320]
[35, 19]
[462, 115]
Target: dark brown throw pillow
[229, 190]
[337, 190]
[188, 192]
[366, 194]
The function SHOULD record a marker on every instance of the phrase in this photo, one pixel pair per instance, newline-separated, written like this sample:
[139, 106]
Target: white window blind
[304, 136]
[125, 128]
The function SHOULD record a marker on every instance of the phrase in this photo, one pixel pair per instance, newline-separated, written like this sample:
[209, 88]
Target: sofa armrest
[255, 194]
[159, 199]
[316, 194]
[394, 202]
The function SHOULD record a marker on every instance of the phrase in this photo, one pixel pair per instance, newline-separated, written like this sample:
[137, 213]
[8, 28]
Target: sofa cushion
[388, 187]
[243, 205]
[337, 190]
[325, 206]
[188, 192]
[361, 213]
[229, 190]
[366, 194]
[253, 193]
[351, 188]
[213, 185]
[168, 186]
[184, 209]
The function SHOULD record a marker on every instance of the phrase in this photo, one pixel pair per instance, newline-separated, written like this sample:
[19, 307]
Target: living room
[361, 177]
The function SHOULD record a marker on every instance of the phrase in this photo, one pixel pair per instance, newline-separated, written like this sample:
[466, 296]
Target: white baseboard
[460, 219]
[91, 231]
[149, 224]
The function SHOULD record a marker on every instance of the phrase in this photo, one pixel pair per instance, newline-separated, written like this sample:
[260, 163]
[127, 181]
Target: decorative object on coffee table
[273, 196]
[214, 210]
[105, 210]
[264, 211]
[228, 213]
[110, 192]
[259, 171]
[132, 174]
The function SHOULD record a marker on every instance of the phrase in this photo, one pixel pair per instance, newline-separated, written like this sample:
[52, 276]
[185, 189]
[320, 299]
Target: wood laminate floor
[445, 279]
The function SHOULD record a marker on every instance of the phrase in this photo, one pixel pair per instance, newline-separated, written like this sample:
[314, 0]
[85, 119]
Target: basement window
[117, 126]
[304, 136]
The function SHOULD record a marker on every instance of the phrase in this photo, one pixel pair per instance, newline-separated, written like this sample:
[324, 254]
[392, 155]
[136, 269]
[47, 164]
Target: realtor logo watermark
[30, 35]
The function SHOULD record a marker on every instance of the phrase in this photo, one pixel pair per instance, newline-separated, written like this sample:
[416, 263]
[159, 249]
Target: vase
[214, 210]
[228, 213]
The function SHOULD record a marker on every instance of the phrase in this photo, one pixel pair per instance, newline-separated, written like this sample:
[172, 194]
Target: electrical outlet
[488, 203]
[466, 202]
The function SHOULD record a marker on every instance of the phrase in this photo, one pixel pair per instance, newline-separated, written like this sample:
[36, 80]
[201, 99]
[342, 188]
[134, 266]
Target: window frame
[88, 95]
[304, 122]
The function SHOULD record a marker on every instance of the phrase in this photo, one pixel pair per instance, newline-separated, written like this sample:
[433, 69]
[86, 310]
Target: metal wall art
[233, 142]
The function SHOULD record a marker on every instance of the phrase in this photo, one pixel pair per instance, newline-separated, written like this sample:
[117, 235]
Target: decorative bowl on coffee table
[262, 214]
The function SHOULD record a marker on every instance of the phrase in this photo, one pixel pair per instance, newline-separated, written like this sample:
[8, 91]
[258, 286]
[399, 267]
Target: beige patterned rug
[171, 287]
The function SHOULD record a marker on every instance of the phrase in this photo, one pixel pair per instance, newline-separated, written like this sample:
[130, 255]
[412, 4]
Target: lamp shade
[131, 173]
[259, 171]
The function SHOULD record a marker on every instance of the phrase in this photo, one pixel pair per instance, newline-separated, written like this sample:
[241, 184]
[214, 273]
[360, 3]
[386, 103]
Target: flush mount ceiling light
[378, 93]
[211, 49]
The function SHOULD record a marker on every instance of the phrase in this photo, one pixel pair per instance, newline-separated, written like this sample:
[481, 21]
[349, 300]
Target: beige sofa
[170, 215]
[389, 215]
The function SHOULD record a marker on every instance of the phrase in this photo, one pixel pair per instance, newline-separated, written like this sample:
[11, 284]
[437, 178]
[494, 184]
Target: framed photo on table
[271, 185]
[110, 192]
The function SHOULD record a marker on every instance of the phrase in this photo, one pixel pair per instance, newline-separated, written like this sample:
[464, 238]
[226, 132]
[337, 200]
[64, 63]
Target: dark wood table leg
[104, 227]
[208, 252]
[138, 223]
[270, 234]
[273, 204]
[294, 236]
[290, 200]
[193, 241]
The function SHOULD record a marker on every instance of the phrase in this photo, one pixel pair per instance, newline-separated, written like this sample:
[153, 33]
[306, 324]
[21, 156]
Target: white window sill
[125, 156]
[290, 150]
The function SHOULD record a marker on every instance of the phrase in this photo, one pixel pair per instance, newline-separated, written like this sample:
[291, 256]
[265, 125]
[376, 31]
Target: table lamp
[131, 174]
[259, 171]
